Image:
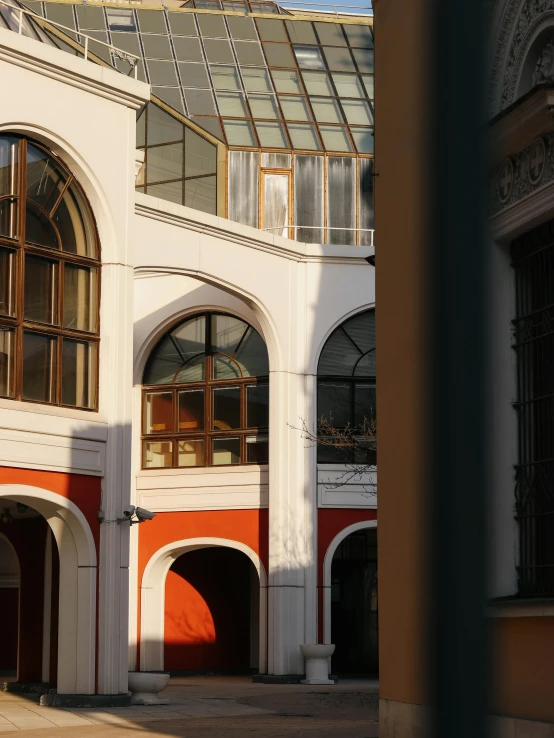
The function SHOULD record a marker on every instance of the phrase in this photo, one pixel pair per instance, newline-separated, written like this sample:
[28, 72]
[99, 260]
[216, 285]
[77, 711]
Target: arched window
[346, 385]
[49, 280]
[206, 395]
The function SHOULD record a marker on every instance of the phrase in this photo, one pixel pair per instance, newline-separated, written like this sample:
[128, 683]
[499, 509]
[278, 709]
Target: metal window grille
[533, 262]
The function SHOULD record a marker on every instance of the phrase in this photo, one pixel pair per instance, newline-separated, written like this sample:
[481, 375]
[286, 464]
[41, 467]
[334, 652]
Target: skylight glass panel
[256, 79]
[263, 106]
[162, 127]
[101, 51]
[286, 81]
[304, 136]
[199, 102]
[201, 194]
[225, 78]
[182, 24]
[156, 47]
[339, 60]
[279, 55]
[364, 60]
[218, 51]
[212, 26]
[309, 57]
[232, 104]
[271, 30]
[187, 49]
[294, 108]
[363, 138]
[164, 162]
[239, 133]
[193, 75]
[271, 160]
[249, 52]
[90, 17]
[317, 83]
[348, 85]
[208, 4]
[170, 191]
[151, 21]
[335, 138]
[326, 110]
[162, 73]
[368, 83]
[271, 135]
[170, 95]
[242, 28]
[330, 34]
[301, 32]
[60, 14]
[120, 19]
[357, 112]
[211, 125]
[127, 42]
[361, 36]
[200, 155]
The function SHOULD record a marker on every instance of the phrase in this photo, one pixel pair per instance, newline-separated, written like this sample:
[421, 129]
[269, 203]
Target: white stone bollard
[317, 664]
[145, 686]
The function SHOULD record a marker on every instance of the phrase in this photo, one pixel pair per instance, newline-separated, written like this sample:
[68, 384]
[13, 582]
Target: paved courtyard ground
[214, 707]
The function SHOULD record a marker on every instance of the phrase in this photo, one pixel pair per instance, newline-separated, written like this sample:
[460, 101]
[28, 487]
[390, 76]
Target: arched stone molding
[153, 598]
[78, 166]
[327, 563]
[77, 608]
[12, 578]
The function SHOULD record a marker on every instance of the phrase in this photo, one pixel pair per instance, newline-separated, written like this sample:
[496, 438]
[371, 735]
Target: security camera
[143, 514]
[128, 512]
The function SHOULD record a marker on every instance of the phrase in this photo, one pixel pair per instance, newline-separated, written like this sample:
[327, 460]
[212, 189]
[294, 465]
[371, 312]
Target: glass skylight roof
[286, 82]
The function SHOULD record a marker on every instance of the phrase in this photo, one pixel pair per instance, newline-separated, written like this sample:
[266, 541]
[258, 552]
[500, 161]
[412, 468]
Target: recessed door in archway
[354, 609]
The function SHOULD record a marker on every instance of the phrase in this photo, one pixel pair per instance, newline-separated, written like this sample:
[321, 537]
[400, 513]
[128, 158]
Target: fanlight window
[206, 395]
[49, 280]
[346, 385]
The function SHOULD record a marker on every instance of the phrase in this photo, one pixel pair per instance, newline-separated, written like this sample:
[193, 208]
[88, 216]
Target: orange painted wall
[330, 522]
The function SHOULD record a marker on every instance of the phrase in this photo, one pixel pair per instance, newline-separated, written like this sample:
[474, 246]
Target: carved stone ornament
[505, 180]
[537, 160]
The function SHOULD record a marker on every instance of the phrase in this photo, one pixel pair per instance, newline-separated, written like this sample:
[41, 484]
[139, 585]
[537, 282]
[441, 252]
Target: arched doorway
[204, 608]
[351, 603]
[9, 604]
[211, 613]
[57, 587]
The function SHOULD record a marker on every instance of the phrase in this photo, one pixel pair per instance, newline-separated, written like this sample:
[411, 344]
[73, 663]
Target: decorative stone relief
[523, 173]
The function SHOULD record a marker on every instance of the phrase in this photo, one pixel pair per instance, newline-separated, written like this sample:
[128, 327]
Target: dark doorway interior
[354, 609]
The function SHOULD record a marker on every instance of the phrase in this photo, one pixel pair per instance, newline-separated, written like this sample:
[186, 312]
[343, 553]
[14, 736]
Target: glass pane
[237, 339]
[341, 199]
[7, 277]
[120, 19]
[364, 60]
[190, 410]
[271, 134]
[212, 26]
[301, 32]
[286, 81]
[188, 49]
[330, 34]
[201, 194]
[279, 55]
[263, 106]
[275, 161]
[141, 129]
[158, 412]
[127, 42]
[334, 403]
[182, 24]
[368, 82]
[343, 353]
[257, 406]
[193, 371]
[304, 136]
[318, 83]
[200, 102]
[225, 78]
[226, 408]
[164, 162]
[357, 112]
[335, 138]
[359, 36]
[162, 73]
[211, 125]
[9, 146]
[8, 218]
[6, 362]
[190, 453]
[193, 75]
[225, 451]
[348, 85]
[308, 181]
[38, 228]
[326, 110]
[276, 204]
[256, 80]
[232, 104]
[240, 133]
[363, 138]
[79, 373]
[156, 47]
[271, 30]
[339, 60]
[80, 298]
[177, 349]
[242, 27]
[257, 449]
[224, 367]
[170, 191]
[200, 155]
[171, 96]
[249, 52]
[365, 184]
[157, 454]
[40, 290]
[364, 404]
[74, 224]
[151, 21]
[218, 51]
[309, 57]
[162, 127]
[294, 108]
[39, 367]
[243, 186]
[90, 17]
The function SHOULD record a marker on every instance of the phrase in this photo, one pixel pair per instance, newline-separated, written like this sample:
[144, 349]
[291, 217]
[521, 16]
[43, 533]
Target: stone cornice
[518, 126]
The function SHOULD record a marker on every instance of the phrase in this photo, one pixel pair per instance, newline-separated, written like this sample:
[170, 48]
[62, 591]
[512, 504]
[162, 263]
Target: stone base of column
[289, 679]
[85, 700]
[26, 687]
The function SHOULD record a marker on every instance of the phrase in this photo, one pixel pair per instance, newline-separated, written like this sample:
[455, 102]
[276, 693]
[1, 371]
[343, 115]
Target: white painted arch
[327, 563]
[77, 608]
[153, 597]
